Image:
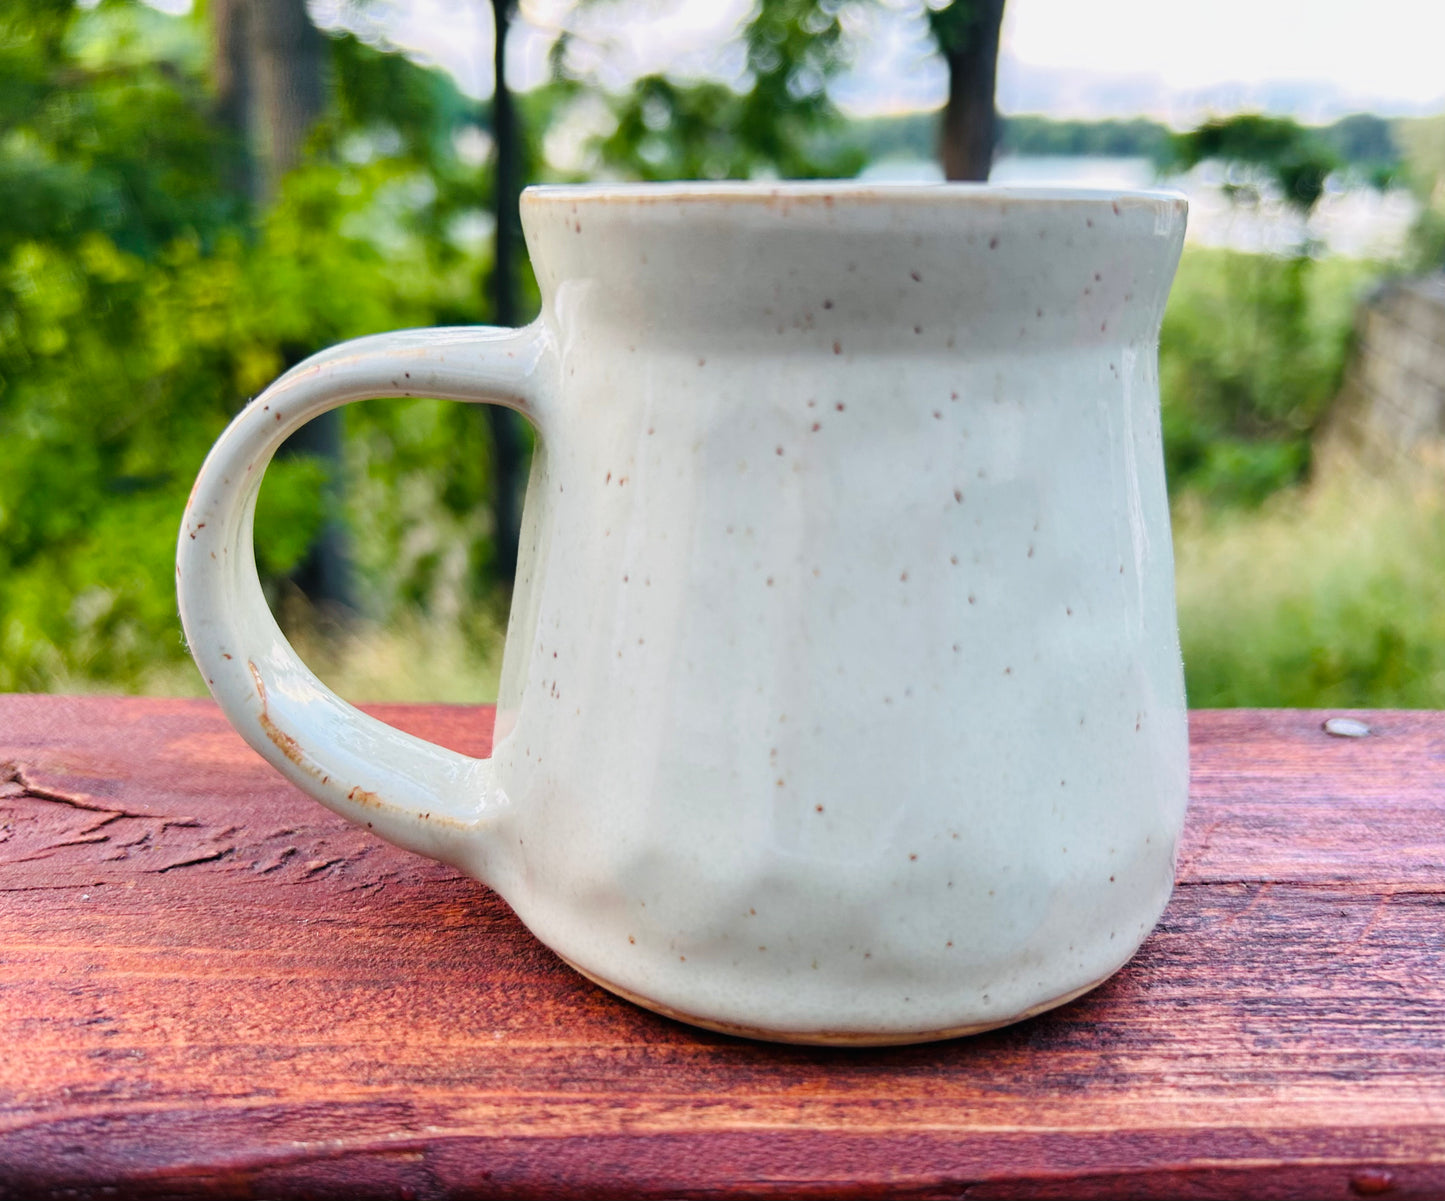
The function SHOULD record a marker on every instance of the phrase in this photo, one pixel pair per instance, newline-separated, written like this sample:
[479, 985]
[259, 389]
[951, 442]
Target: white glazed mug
[841, 698]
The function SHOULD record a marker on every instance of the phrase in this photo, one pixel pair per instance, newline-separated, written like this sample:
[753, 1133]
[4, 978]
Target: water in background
[1354, 221]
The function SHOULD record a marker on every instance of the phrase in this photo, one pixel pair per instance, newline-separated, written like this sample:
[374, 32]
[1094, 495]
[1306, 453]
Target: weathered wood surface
[209, 985]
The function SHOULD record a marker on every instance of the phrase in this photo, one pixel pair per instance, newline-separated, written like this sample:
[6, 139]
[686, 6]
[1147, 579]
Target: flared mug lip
[851, 192]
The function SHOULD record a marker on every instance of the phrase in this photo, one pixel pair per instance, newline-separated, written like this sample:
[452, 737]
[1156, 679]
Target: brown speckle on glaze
[840, 406]
[958, 499]
[938, 414]
[837, 348]
[993, 242]
[816, 426]
[778, 451]
[827, 304]
[1116, 208]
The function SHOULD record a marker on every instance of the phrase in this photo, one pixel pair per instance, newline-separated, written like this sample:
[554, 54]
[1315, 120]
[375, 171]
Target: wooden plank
[209, 985]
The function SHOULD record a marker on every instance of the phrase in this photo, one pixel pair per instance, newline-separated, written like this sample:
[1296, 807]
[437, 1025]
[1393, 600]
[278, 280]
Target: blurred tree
[1294, 158]
[506, 426]
[1245, 387]
[140, 301]
[778, 122]
[267, 75]
[1422, 140]
[967, 33]
[1367, 143]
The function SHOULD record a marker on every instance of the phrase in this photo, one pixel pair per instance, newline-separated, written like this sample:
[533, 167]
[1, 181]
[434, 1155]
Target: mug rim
[849, 191]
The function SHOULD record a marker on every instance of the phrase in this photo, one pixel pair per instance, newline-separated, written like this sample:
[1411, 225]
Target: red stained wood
[211, 986]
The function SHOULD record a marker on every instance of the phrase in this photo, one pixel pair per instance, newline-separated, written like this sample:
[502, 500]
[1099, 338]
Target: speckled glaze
[841, 699]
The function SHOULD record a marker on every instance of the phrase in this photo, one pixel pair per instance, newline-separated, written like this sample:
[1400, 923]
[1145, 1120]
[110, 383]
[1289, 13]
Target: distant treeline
[1362, 141]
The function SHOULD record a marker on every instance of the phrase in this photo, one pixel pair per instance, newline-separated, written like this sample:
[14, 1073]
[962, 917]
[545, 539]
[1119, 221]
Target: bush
[1322, 597]
[1250, 356]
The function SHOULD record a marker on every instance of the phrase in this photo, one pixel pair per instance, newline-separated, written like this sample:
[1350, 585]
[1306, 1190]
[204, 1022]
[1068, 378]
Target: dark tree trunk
[967, 32]
[270, 92]
[507, 444]
[267, 72]
[289, 95]
[231, 76]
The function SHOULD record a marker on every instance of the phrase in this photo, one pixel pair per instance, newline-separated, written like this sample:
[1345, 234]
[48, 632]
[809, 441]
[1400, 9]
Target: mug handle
[410, 791]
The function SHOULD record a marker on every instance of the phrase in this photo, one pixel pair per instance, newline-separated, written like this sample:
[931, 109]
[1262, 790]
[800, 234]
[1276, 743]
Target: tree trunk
[507, 445]
[289, 96]
[270, 92]
[968, 33]
[231, 76]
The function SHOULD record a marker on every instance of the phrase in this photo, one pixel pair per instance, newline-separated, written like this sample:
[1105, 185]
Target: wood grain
[210, 986]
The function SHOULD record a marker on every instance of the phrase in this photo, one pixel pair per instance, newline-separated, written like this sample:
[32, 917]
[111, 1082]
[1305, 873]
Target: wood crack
[14, 783]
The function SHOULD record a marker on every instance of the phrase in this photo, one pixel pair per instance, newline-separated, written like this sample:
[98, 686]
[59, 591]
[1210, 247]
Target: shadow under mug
[841, 698]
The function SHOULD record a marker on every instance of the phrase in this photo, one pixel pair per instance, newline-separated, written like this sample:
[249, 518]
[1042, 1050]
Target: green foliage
[1367, 143]
[1296, 159]
[1250, 356]
[1327, 597]
[1423, 142]
[140, 305]
[1138, 138]
[780, 123]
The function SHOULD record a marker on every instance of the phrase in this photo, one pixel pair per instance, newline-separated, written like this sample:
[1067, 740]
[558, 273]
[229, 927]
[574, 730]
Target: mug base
[834, 1038]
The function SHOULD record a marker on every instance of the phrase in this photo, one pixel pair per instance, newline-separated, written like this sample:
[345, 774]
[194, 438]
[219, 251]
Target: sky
[1174, 60]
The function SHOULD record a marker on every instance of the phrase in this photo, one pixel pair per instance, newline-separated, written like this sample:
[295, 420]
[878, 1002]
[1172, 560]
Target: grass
[1325, 596]
[411, 659]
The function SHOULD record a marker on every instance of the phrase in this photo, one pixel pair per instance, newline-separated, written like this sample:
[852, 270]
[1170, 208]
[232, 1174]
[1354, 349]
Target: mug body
[842, 697]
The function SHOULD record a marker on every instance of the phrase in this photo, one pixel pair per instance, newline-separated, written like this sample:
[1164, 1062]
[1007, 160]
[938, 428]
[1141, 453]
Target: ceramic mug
[841, 699]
